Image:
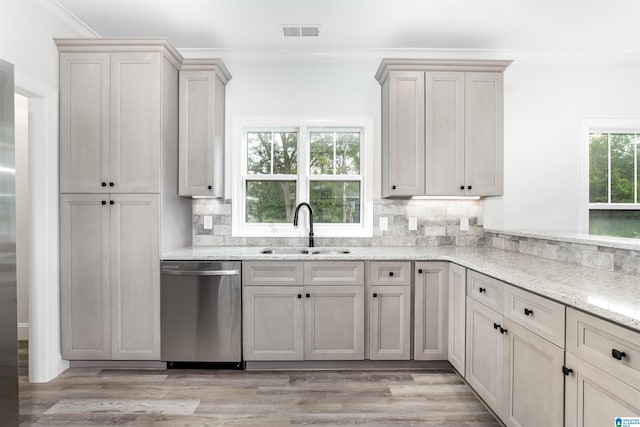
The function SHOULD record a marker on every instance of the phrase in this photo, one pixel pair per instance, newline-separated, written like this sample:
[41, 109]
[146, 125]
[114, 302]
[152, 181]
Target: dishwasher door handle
[201, 273]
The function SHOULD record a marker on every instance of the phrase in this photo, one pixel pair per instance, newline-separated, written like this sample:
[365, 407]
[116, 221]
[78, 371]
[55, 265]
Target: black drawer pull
[566, 371]
[104, 202]
[482, 290]
[375, 295]
[111, 202]
[307, 295]
[104, 184]
[462, 187]
[617, 354]
[469, 187]
[209, 187]
[393, 187]
[111, 184]
[391, 274]
[527, 312]
[503, 330]
[299, 296]
[496, 326]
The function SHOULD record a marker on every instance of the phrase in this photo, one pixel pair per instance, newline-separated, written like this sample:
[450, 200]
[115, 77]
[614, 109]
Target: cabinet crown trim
[393, 64]
[208, 64]
[138, 44]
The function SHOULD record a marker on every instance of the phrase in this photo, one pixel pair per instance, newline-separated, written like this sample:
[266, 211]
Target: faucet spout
[295, 220]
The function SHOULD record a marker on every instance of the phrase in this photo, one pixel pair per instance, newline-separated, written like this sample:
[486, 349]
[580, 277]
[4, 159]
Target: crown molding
[65, 18]
[521, 56]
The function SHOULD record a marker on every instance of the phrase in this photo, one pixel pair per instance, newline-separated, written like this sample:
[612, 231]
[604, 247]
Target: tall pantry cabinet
[119, 203]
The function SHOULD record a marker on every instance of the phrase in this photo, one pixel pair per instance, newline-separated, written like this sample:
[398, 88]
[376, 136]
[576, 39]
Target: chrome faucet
[295, 220]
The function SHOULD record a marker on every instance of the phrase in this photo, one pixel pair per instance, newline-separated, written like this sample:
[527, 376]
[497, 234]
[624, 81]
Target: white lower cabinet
[485, 354]
[390, 323]
[430, 310]
[517, 372]
[334, 323]
[284, 319]
[272, 319]
[594, 398]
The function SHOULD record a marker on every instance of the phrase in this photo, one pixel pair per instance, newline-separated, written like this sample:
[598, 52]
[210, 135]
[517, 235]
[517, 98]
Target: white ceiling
[371, 24]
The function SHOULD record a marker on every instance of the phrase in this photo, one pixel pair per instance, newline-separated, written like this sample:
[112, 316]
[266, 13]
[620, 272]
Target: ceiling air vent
[300, 30]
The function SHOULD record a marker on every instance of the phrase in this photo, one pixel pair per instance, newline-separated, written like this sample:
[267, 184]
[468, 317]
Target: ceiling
[371, 24]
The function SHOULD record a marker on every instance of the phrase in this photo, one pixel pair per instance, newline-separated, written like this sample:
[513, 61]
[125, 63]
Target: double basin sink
[304, 251]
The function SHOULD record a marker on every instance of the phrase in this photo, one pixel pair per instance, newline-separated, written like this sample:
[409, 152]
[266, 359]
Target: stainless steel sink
[304, 251]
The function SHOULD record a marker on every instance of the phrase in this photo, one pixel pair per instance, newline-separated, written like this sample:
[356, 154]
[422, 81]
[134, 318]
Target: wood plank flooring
[156, 397]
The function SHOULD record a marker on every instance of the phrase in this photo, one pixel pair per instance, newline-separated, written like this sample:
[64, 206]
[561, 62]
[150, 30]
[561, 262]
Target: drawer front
[612, 348]
[319, 273]
[390, 273]
[485, 290]
[271, 273]
[537, 314]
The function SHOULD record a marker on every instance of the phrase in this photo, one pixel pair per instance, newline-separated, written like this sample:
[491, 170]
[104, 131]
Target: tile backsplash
[438, 224]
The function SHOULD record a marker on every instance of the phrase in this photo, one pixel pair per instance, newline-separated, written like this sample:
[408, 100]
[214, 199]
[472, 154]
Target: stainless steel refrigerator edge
[200, 312]
[8, 307]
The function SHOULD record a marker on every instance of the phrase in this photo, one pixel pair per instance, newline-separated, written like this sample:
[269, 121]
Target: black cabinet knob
[495, 326]
[393, 187]
[503, 330]
[391, 274]
[462, 187]
[375, 295]
[111, 202]
[104, 184]
[307, 295]
[527, 312]
[111, 184]
[617, 354]
[419, 271]
[104, 202]
[566, 371]
[299, 296]
[469, 187]
[482, 290]
[209, 187]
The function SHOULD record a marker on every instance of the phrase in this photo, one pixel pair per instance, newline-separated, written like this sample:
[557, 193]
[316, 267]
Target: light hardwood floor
[91, 396]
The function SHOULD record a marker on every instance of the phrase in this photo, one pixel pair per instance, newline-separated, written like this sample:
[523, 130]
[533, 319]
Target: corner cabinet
[442, 127]
[118, 193]
[202, 104]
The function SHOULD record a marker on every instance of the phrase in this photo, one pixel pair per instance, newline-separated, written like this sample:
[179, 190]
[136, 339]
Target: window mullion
[303, 164]
[609, 167]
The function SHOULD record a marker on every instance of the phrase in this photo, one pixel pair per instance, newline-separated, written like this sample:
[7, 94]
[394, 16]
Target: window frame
[604, 126]
[304, 126]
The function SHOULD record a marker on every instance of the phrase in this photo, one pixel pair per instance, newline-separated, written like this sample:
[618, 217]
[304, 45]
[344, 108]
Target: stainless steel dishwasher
[200, 312]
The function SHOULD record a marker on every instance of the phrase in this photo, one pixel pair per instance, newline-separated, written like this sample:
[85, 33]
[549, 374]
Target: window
[322, 162]
[614, 184]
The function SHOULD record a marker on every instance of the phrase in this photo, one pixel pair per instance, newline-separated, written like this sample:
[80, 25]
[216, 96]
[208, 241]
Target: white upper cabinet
[202, 101]
[113, 107]
[442, 127]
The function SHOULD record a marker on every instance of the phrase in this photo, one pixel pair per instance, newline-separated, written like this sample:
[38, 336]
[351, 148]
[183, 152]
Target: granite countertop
[612, 296]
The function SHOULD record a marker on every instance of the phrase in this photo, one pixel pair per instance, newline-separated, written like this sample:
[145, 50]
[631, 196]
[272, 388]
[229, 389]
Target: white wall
[22, 213]
[544, 107]
[330, 89]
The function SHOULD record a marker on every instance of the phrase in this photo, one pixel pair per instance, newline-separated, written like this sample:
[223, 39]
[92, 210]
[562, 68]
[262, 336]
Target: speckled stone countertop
[612, 296]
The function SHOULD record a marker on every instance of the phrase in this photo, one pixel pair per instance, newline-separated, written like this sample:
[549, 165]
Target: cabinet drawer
[601, 343]
[334, 273]
[486, 290]
[274, 273]
[390, 273]
[539, 315]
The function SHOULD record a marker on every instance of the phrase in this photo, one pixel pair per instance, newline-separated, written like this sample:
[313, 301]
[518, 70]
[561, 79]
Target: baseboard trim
[349, 365]
[137, 364]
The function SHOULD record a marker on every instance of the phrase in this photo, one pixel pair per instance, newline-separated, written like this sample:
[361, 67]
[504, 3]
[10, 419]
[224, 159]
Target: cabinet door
[136, 122]
[593, 398]
[334, 323]
[403, 135]
[84, 122]
[85, 316]
[533, 387]
[483, 134]
[457, 313]
[135, 276]
[444, 149]
[390, 323]
[198, 144]
[272, 323]
[485, 354]
[431, 300]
